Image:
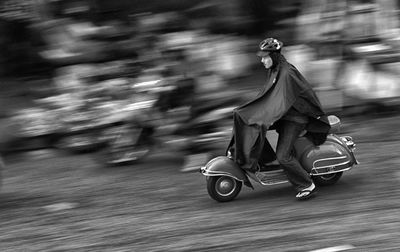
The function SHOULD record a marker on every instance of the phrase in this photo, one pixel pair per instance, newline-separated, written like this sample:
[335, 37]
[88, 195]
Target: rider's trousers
[289, 132]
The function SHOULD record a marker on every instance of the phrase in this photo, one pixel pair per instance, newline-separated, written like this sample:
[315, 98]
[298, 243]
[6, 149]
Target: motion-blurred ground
[56, 202]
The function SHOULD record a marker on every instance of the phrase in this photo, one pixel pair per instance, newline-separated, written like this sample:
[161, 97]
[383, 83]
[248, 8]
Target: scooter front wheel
[223, 188]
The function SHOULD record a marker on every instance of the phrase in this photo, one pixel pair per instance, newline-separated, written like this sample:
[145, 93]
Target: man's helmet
[269, 45]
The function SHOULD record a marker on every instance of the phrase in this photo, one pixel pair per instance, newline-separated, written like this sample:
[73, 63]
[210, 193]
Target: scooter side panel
[330, 157]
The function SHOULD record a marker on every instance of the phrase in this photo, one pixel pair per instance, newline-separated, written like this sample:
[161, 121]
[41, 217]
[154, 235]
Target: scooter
[325, 164]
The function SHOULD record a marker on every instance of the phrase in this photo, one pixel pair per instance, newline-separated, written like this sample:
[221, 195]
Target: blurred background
[149, 86]
[173, 71]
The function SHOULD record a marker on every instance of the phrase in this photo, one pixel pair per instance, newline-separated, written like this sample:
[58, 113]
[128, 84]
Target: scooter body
[325, 164]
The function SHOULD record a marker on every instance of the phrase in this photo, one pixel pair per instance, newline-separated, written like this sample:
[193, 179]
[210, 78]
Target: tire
[223, 188]
[328, 179]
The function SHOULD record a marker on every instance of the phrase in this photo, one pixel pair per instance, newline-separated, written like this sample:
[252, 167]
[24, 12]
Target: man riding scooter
[286, 103]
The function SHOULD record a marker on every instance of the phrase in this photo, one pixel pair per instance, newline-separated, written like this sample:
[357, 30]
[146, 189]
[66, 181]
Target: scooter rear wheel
[223, 188]
[328, 179]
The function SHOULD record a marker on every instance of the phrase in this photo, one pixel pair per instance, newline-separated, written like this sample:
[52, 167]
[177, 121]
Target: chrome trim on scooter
[219, 173]
[349, 142]
[325, 159]
[331, 172]
[328, 169]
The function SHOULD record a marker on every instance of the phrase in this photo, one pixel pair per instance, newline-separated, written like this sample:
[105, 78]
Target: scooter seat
[335, 123]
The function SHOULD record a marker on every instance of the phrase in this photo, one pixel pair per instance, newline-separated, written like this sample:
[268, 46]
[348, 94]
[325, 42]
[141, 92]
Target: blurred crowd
[92, 67]
[94, 63]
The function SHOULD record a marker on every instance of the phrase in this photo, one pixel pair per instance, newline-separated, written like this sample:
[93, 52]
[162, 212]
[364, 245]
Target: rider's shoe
[306, 193]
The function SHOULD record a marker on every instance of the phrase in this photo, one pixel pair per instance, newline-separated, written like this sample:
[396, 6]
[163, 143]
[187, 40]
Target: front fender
[224, 166]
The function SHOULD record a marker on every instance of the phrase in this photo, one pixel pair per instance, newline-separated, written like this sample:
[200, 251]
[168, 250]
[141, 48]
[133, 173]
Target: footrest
[271, 177]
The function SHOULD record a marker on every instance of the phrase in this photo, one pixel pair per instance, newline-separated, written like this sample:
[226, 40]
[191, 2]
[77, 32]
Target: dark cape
[285, 88]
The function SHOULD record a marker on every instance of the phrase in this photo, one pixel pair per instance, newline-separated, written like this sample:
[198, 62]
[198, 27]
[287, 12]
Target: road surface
[53, 201]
